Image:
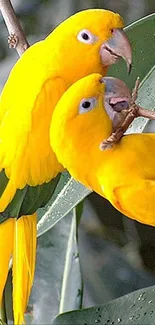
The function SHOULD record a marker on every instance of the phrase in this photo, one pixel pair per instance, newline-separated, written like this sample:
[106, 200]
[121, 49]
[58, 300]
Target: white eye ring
[85, 36]
[87, 104]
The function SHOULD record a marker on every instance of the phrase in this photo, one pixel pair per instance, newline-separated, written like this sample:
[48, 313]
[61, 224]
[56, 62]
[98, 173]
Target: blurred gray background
[117, 254]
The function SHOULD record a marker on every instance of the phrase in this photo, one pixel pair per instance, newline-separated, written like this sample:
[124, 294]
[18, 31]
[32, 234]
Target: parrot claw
[130, 115]
[119, 132]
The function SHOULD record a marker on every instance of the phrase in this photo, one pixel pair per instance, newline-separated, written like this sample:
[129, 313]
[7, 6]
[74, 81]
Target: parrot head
[90, 41]
[86, 114]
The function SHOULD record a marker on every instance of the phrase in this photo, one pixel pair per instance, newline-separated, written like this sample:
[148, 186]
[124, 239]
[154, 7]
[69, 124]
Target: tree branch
[16, 37]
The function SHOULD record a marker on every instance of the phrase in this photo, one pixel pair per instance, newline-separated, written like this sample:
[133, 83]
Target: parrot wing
[26, 106]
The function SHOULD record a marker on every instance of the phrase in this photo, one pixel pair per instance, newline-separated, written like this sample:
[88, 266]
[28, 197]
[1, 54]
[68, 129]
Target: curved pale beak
[118, 46]
[117, 100]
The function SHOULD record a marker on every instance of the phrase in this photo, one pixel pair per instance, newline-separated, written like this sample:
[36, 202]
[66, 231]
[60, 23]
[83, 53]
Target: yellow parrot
[86, 42]
[124, 174]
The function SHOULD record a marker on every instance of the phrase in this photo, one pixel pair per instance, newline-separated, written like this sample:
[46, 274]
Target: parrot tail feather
[24, 255]
[6, 249]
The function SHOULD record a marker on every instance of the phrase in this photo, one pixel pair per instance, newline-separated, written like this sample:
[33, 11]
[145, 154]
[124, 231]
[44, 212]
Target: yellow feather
[6, 248]
[24, 253]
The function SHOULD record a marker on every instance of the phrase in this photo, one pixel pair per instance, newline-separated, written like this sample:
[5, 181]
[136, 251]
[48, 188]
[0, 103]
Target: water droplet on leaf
[98, 309]
[141, 297]
[132, 306]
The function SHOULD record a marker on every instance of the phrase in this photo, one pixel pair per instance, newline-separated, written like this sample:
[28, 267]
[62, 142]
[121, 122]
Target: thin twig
[16, 37]
[135, 92]
[145, 113]
[140, 111]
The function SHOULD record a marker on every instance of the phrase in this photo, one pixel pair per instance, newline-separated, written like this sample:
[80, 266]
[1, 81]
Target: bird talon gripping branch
[13, 40]
[117, 135]
[130, 114]
[133, 112]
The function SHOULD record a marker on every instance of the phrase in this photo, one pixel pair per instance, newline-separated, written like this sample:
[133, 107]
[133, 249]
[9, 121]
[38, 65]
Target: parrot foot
[13, 40]
[117, 135]
[133, 112]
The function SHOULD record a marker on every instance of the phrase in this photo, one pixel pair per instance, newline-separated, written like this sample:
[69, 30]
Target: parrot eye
[87, 105]
[85, 36]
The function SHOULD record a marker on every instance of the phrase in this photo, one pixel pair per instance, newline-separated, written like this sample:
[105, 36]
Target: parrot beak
[117, 100]
[118, 46]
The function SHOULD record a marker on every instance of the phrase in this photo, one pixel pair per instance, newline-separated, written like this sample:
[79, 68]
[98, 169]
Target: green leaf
[57, 265]
[72, 287]
[51, 251]
[66, 199]
[135, 308]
